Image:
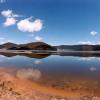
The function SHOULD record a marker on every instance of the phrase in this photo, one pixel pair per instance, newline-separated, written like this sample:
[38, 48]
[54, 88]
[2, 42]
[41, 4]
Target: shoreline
[14, 87]
[47, 52]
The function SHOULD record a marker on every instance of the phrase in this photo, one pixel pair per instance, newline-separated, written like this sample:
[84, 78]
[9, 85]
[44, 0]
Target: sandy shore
[13, 88]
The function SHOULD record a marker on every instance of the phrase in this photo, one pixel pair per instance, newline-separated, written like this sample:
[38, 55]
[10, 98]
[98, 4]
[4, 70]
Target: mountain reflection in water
[45, 54]
[33, 55]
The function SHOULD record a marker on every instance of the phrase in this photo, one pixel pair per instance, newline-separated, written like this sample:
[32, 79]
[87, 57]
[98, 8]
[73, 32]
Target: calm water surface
[60, 72]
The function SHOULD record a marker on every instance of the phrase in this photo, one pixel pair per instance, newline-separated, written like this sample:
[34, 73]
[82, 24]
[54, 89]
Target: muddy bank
[14, 87]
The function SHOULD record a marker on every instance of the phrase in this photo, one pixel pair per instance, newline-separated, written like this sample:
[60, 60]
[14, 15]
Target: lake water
[68, 73]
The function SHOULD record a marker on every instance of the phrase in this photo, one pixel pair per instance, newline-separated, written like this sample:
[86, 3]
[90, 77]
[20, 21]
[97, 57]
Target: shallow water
[68, 73]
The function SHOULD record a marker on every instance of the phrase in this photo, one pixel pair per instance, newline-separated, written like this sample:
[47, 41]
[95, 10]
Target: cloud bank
[85, 42]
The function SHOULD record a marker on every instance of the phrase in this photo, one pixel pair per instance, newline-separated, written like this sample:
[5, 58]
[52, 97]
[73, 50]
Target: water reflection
[39, 56]
[89, 58]
[45, 55]
[92, 69]
[73, 72]
[37, 62]
[80, 54]
[29, 73]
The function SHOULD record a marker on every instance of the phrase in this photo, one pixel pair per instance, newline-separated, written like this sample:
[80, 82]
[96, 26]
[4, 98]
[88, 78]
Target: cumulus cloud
[29, 73]
[8, 13]
[10, 22]
[85, 42]
[28, 25]
[93, 33]
[38, 39]
[24, 25]
[10, 17]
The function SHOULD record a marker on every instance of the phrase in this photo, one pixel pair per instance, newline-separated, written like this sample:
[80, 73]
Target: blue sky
[52, 21]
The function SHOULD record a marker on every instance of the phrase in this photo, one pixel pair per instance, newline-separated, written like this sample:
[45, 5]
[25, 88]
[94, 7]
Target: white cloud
[2, 1]
[10, 17]
[10, 22]
[85, 42]
[88, 43]
[93, 33]
[24, 25]
[27, 25]
[8, 13]
[38, 38]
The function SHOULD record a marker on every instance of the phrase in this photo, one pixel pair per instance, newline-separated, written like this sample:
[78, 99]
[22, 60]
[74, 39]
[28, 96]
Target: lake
[74, 73]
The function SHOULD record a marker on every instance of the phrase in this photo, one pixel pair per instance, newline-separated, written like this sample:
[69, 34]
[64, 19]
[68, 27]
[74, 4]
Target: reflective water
[66, 72]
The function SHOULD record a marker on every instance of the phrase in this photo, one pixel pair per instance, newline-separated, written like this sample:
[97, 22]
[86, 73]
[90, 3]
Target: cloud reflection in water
[37, 62]
[92, 69]
[29, 73]
[88, 58]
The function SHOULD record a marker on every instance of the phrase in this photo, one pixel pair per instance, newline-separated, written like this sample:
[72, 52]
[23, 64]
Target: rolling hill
[28, 46]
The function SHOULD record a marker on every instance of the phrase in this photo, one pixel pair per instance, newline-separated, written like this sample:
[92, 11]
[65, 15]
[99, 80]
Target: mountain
[79, 47]
[8, 45]
[45, 46]
[38, 46]
[28, 46]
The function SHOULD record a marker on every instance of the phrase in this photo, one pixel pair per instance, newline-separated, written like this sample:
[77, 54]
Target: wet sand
[14, 88]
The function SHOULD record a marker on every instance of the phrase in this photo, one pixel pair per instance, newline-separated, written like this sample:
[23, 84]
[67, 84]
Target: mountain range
[79, 47]
[45, 46]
